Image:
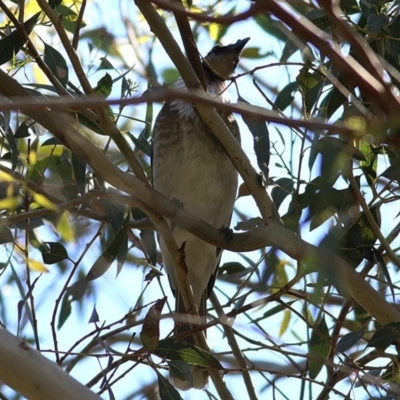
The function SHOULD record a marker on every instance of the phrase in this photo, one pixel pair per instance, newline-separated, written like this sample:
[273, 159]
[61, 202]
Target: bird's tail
[199, 374]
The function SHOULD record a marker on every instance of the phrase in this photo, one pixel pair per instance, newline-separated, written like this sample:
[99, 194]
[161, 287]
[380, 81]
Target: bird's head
[222, 60]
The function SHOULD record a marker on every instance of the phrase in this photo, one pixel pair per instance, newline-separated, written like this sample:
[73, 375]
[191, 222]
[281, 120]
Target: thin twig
[237, 353]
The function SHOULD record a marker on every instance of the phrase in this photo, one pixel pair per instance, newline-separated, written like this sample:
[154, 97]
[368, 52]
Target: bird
[189, 165]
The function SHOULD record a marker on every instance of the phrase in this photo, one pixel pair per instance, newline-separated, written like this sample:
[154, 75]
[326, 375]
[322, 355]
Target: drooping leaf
[6, 235]
[283, 188]
[103, 263]
[64, 227]
[13, 43]
[260, 134]
[181, 370]
[286, 96]
[166, 390]
[149, 241]
[141, 143]
[383, 267]
[145, 134]
[79, 168]
[319, 347]
[65, 311]
[57, 64]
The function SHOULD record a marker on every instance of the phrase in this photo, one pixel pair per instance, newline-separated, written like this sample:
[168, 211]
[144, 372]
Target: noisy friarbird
[189, 165]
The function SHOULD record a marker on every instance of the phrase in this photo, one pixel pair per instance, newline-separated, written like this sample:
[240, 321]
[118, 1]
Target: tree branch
[34, 376]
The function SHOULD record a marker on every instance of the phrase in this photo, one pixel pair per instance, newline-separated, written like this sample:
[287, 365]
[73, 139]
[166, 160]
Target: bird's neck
[215, 87]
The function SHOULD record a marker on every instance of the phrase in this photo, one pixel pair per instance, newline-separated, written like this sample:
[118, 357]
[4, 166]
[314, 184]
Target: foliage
[317, 100]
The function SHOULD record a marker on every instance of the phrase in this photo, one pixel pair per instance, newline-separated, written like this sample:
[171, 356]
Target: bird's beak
[239, 45]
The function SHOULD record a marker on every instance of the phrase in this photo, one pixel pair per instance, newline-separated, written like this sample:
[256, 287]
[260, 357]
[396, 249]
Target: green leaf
[103, 263]
[349, 340]
[270, 25]
[169, 75]
[286, 96]
[6, 235]
[69, 18]
[166, 390]
[149, 241]
[13, 43]
[393, 172]
[79, 168]
[284, 187]
[231, 268]
[57, 64]
[306, 79]
[142, 144]
[22, 131]
[173, 349]
[275, 310]
[376, 22]
[181, 370]
[54, 252]
[382, 265]
[104, 86]
[54, 3]
[105, 64]
[349, 6]
[332, 101]
[94, 317]
[318, 347]
[385, 336]
[65, 311]
[145, 134]
[260, 134]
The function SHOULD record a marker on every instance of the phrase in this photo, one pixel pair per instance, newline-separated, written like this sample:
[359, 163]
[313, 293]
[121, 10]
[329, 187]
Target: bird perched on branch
[190, 165]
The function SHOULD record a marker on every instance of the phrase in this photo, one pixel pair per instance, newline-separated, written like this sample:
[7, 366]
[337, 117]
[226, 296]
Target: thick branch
[34, 376]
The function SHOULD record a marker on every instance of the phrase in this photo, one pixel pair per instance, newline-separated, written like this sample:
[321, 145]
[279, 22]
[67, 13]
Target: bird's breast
[190, 165]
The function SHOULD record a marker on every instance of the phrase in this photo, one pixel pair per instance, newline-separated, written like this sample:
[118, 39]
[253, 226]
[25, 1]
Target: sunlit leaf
[44, 201]
[10, 203]
[285, 323]
[36, 265]
[173, 349]
[104, 86]
[64, 227]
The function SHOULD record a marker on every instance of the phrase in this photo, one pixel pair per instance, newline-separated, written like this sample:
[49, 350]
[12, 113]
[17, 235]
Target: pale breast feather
[185, 108]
